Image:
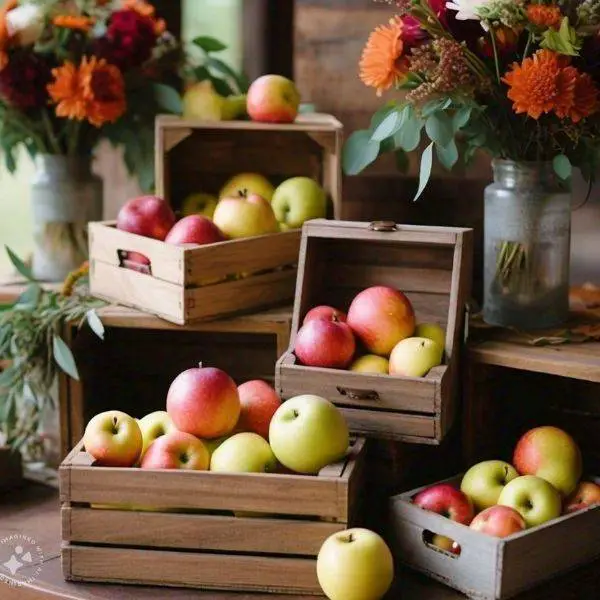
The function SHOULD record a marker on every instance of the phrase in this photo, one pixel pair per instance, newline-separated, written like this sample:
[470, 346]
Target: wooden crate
[142, 354]
[490, 568]
[195, 539]
[432, 265]
[184, 284]
[11, 469]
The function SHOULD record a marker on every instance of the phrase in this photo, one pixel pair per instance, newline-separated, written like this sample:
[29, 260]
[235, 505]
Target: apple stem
[115, 428]
[334, 318]
[295, 413]
[244, 193]
[422, 344]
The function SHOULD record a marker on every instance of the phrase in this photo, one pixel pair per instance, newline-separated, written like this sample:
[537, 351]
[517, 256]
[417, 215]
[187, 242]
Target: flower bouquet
[74, 73]
[518, 79]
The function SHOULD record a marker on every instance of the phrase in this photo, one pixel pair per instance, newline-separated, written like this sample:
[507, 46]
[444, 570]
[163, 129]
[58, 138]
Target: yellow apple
[432, 331]
[355, 564]
[370, 363]
[199, 204]
[415, 357]
[154, 425]
[245, 184]
[245, 217]
[200, 101]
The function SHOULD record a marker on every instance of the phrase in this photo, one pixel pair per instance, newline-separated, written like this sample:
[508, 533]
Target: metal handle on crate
[358, 394]
[383, 226]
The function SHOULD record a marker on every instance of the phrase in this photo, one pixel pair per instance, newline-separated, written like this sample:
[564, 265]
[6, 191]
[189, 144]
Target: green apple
[212, 445]
[298, 200]
[199, 204]
[200, 101]
[244, 184]
[415, 357]
[370, 363]
[307, 433]
[245, 217]
[484, 481]
[243, 453]
[153, 426]
[431, 331]
[355, 564]
[533, 497]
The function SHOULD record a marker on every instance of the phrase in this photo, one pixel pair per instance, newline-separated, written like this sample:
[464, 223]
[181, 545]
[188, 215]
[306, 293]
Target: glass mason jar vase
[65, 196]
[527, 246]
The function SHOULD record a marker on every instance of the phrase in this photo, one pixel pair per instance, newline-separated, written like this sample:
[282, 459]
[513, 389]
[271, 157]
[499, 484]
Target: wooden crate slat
[195, 532]
[189, 569]
[388, 425]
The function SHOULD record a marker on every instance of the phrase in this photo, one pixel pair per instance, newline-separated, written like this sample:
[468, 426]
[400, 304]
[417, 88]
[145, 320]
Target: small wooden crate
[195, 539]
[490, 568]
[142, 354]
[432, 265]
[11, 469]
[183, 284]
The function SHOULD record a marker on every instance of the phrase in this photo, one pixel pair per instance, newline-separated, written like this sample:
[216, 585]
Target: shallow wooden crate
[432, 265]
[141, 354]
[490, 568]
[185, 284]
[194, 538]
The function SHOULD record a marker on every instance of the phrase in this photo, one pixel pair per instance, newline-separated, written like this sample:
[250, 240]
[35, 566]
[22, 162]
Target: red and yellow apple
[586, 494]
[552, 454]
[273, 99]
[380, 317]
[444, 499]
[114, 439]
[327, 343]
[176, 450]
[242, 217]
[259, 402]
[484, 481]
[149, 216]
[498, 521]
[194, 229]
[371, 363]
[415, 357]
[244, 184]
[153, 426]
[204, 402]
[324, 312]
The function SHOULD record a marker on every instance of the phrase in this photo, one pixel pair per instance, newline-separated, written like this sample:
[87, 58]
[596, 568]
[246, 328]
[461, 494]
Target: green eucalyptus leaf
[19, 265]
[447, 155]
[409, 135]
[439, 129]
[209, 44]
[64, 357]
[359, 152]
[201, 73]
[389, 126]
[433, 106]
[30, 297]
[221, 87]
[7, 377]
[382, 113]
[425, 170]
[240, 79]
[167, 98]
[461, 117]
[563, 167]
[95, 323]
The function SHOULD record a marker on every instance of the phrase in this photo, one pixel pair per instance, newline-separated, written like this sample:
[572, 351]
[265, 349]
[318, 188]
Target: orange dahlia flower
[382, 64]
[78, 23]
[586, 99]
[542, 15]
[4, 34]
[66, 92]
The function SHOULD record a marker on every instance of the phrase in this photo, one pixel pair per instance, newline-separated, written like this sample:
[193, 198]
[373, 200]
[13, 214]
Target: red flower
[24, 79]
[439, 8]
[412, 33]
[129, 40]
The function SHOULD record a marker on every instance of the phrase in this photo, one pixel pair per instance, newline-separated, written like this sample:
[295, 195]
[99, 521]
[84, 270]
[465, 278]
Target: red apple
[380, 317]
[498, 521]
[446, 543]
[586, 494]
[149, 216]
[324, 312]
[259, 401]
[204, 402]
[194, 229]
[273, 99]
[552, 454]
[446, 500]
[114, 439]
[176, 450]
[325, 343]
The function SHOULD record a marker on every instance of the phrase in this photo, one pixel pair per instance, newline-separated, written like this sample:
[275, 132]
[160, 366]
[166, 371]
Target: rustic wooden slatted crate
[490, 568]
[188, 284]
[432, 265]
[195, 539]
[142, 354]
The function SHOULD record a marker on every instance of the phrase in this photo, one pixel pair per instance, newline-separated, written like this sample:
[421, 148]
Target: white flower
[25, 23]
[467, 9]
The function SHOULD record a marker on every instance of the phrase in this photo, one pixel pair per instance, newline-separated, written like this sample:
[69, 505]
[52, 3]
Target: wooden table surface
[34, 511]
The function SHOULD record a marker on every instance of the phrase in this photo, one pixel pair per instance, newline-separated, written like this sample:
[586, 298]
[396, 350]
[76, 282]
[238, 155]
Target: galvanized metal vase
[65, 196]
[527, 247]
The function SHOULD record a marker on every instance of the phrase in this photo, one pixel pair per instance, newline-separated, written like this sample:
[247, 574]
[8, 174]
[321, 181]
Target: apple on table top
[378, 335]
[498, 498]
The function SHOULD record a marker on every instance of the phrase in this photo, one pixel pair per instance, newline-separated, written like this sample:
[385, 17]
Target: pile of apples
[248, 205]
[378, 334]
[499, 499]
[210, 423]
